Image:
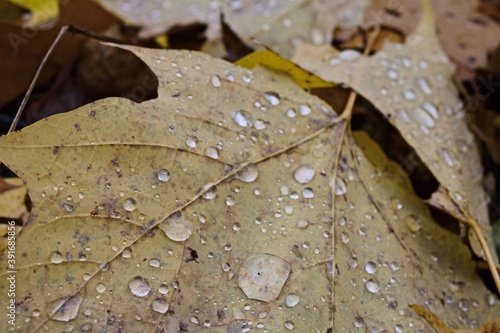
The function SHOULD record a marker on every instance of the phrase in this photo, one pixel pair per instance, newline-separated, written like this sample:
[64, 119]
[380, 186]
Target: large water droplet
[261, 276]
[372, 286]
[304, 174]
[66, 308]
[248, 174]
[177, 227]
[163, 175]
[160, 305]
[243, 118]
[291, 300]
[129, 204]
[139, 286]
[56, 257]
[371, 267]
[100, 288]
[272, 97]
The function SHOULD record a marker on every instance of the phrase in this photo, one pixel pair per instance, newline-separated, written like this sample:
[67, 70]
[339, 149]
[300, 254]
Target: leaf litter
[242, 158]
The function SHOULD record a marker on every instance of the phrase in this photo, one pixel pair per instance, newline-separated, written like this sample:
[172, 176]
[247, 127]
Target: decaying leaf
[235, 201]
[411, 85]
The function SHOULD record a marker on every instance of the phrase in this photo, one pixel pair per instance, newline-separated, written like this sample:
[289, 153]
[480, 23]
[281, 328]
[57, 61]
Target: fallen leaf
[411, 85]
[235, 201]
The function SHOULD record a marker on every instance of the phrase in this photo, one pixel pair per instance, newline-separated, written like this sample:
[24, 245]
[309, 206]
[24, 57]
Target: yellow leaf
[272, 60]
[42, 11]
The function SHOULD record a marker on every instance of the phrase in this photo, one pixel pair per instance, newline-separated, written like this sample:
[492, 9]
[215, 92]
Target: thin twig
[35, 78]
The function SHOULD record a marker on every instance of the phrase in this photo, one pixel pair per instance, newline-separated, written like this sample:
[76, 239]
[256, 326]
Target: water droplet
[139, 286]
[409, 94]
[212, 152]
[177, 227]
[344, 237]
[403, 115]
[412, 222]
[352, 262]
[243, 118]
[230, 200]
[127, 253]
[248, 174]
[289, 325]
[66, 308]
[163, 175]
[371, 267]
[290, 113]
[160, 305]
[302, 224]
[349, 55]
[129, 204]
[423, 118]
[236, 226]
[192, 141]
[431, 109]
[68, 207]
[359, 322]
[308, 193]
[154, 262]
[259, 125]
[272, 97]
[215, 80]
[100, 288]
[56, 257]
[424, 85]
[291, 300]
[392, 74]
[261, 276]
[372, 286]
[304, 174]
[163, 289]
[304, 109]
[446, 156]
[340, 186]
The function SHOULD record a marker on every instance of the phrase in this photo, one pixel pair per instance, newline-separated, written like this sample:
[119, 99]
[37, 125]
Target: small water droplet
[289, 325]
[160, 305]
[127, 253]
[304, 174]
[259, 125]
[392, 74]
[230, 200]
[352, 262]
[248, 174]
[177, 227]
[192, 141]
[243, 118]
[68, 207]
[446, 156]
[100, 288]
[304, 110]
[154, 262]
[340, 186]
[129, 204]
[308, 193]
[290, 113]
[139, 286]
[163, 289]
[349, 55]
[56, 257]
[212, 152]
[372, 286]
[423, 118]
[302, 224]
[371, 267]
[215, 80]
[291, 300]
[163, 175]
[403, 115]
[272, 97]
[424, 85]
[409, 94]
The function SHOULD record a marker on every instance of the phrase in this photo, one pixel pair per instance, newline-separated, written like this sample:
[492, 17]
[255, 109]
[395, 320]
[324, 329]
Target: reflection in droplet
[308, 193]
[139, 286]
[304, 110]
[304, 174]
[340, 186]
[129, 204]
[261, 276]
[371, 267]
[177, 227]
